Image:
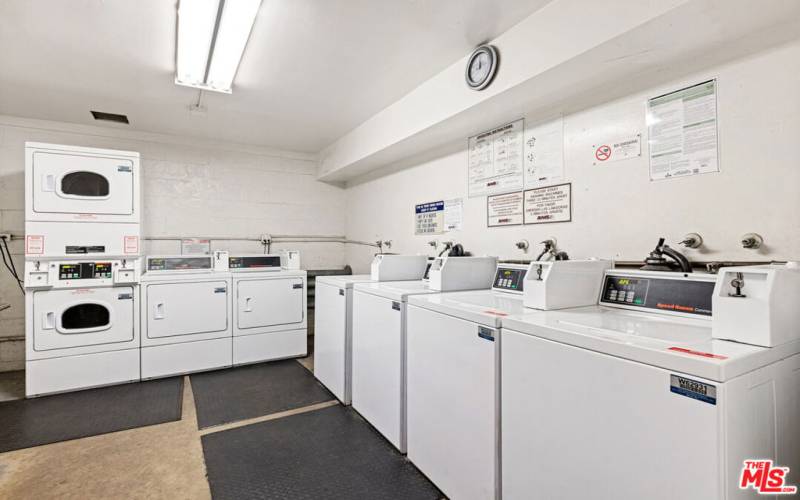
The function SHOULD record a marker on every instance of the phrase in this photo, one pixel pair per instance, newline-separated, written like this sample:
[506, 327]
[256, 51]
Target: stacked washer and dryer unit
[82, 225]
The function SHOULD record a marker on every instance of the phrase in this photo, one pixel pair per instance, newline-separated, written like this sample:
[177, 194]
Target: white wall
[617, 211]
[190, 188]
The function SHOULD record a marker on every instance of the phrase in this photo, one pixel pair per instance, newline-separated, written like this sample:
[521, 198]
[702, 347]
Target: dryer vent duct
[110, 117]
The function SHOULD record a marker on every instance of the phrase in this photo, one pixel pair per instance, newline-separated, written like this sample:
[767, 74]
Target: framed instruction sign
[496, 160]
[504, 209]
[548, 204]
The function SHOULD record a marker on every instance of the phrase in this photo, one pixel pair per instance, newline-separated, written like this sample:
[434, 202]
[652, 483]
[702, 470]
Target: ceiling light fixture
[212, 35]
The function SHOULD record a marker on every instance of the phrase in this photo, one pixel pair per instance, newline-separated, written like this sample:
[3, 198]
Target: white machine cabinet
[453, 383]
[269, 308]
[634, 398]
[81, 324]
[69, 183]
[333, 328]
[186, 316]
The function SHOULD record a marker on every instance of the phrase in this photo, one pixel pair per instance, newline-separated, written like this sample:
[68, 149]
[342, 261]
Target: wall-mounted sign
[429, 218]
[453, 214]
[195, 246]
[682, 128]
[548, 204]
[496, 160]
[544, 154]
[619, 149]
[438, 217]
[504, 209]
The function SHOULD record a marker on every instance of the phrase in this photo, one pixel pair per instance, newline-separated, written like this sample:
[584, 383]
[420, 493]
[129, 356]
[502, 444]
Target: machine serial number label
[700, 391]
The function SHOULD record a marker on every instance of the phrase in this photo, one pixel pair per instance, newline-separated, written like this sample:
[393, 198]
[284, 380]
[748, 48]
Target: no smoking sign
[603, 153]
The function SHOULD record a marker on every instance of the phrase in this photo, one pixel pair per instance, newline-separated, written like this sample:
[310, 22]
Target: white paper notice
[620, 149]
[504, 209]
[548, 204]
[683, 132]
[544, 154]
[495, 160]
[453, 214]
[195, 246]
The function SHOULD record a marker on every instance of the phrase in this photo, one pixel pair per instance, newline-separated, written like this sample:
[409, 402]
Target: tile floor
[159, 461]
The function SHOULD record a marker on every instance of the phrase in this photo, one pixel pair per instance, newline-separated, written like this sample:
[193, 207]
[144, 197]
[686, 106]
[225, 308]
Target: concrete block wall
[190, 188]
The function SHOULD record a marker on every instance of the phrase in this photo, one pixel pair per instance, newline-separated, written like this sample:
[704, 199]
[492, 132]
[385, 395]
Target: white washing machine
[634, 399]
[81, 324]
[186, 316]
[81, 201]
[333, 330]
[453, 383]
[333, 318]
[269, 309]
[379, 338]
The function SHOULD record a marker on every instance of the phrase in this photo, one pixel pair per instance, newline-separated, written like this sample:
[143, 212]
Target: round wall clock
[481, 67]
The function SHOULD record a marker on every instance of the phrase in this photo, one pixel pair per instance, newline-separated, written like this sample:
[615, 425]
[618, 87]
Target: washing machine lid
[395, 290]
[344, 280]
[485, 307]
[680, 344]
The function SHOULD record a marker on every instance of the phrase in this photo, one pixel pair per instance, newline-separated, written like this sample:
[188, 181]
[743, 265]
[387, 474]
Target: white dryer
[186, 316]
[453, 383]
[81, 324]
[81, 201]
[634, 398]
[269, 309]
[379, 338]
[333, 330]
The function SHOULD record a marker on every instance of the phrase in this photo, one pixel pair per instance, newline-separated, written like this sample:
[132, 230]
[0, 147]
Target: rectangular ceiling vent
[110, 117]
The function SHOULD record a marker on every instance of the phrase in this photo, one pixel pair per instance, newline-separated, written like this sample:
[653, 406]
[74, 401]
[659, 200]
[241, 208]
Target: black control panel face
[84, 271]
[508, 278]
[178, 263]
[254, 262]
[76, 249]
[663, 294]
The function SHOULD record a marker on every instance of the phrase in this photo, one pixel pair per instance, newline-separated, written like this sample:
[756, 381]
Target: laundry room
[489, 250]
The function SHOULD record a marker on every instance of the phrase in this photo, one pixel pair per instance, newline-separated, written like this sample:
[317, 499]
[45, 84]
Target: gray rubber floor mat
[330, 453]
[49, 419]
[251, 391]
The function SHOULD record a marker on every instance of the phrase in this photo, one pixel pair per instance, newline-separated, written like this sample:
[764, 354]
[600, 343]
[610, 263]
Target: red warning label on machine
[698, 353]
[34, 244]
[131, 244]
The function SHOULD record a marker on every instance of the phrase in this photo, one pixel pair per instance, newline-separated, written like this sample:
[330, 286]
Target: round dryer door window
[85, 317]
[84, 184]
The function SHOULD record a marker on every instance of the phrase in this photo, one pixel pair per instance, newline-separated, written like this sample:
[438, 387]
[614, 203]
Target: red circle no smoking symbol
[603, 153]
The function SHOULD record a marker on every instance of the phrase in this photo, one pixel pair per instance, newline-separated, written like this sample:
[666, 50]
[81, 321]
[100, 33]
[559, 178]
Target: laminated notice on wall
[195, 246]
[496, 160]
[682, 129]
[544, 154]
[548, 204]
[453, 214]
[429, 218]
[504, 209]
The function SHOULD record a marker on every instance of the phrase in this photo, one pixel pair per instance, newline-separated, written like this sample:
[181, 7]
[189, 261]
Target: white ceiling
[312, 71]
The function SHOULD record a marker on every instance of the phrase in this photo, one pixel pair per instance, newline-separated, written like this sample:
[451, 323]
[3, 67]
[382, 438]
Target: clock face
[481, 67]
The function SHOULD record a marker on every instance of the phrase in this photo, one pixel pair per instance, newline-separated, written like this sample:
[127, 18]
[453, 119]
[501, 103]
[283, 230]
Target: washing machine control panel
[509, 279]
[684, 294]
[255, 262]
[178, 263]
[84, 271]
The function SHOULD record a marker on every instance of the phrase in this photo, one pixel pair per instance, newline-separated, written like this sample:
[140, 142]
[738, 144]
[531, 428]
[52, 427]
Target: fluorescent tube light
[212, 35]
